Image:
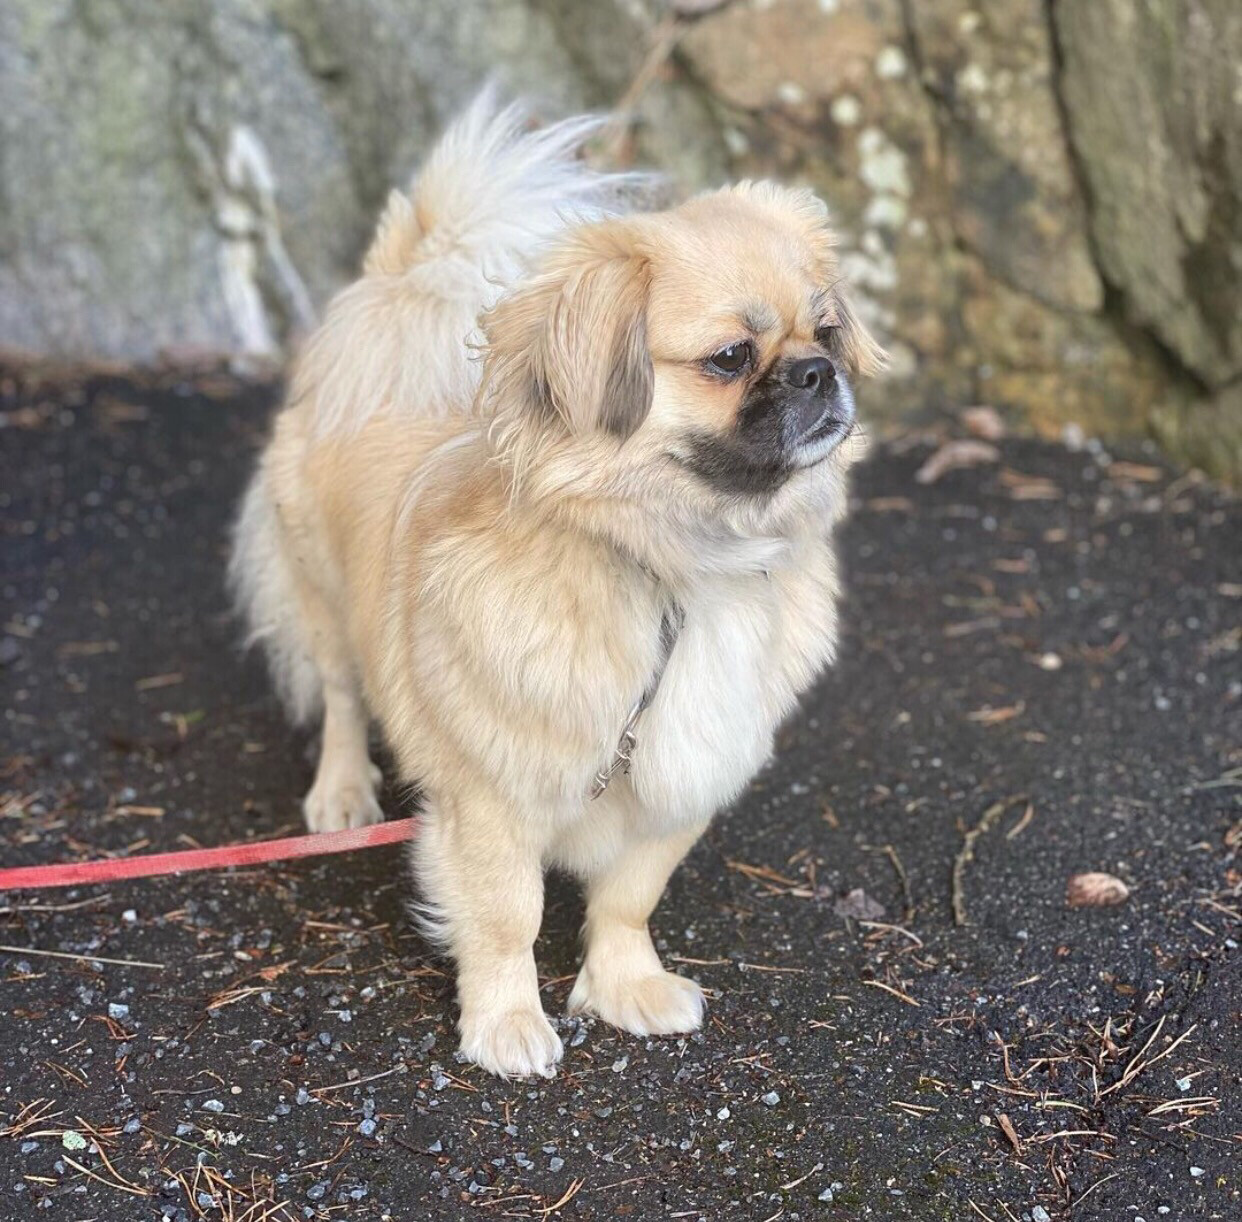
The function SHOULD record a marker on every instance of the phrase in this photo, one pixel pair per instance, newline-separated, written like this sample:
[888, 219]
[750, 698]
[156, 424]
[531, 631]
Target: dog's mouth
[834, 425]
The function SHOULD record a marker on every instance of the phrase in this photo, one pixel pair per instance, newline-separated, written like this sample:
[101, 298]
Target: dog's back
[400, 339]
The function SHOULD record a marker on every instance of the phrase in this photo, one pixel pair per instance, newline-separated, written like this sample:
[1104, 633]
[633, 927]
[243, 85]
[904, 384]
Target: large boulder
[1040, 204]
[197, 176]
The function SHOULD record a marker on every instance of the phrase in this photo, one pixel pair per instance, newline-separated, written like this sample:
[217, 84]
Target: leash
[151, 865]
[114, 869]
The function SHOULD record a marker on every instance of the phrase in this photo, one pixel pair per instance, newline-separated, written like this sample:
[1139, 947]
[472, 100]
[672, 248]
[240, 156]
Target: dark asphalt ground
[1042, 655]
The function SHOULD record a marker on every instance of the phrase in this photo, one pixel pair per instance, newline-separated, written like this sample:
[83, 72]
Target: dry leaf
[859, 905]
[1095, 890]
[989, 716]
[983, 422]
[1136, 472]
[1023, 487]
[953, 455]
[1006, 1127]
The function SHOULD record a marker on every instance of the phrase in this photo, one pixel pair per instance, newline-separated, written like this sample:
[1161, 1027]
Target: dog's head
[714, 337]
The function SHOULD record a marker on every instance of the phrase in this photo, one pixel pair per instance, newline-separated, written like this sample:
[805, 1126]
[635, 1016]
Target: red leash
[113, 869]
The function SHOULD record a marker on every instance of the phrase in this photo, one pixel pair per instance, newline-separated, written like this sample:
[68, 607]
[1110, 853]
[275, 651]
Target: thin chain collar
[671, 624]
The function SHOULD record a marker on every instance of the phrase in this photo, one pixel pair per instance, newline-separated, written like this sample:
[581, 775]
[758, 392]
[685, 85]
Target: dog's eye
[732, 359]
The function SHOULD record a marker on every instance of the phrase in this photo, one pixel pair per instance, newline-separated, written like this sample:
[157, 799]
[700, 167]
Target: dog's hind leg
[343, 794]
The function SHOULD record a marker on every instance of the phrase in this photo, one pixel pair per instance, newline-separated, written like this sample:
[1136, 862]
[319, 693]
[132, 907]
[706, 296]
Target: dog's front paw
[514, 1044]
[333, 806]
[655, 1003]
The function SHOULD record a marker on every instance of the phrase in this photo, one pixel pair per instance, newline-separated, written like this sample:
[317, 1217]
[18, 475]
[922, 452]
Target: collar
[671, 624]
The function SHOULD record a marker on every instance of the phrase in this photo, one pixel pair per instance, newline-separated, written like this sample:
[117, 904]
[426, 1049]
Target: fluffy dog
[551, 500]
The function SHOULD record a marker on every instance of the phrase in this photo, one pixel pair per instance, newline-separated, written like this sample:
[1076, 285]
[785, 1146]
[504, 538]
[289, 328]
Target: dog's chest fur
[750, 644]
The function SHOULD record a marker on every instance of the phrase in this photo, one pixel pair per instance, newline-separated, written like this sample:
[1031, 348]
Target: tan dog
[617, 520]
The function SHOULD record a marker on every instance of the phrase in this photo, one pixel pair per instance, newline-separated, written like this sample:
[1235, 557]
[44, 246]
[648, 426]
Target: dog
[552, 500]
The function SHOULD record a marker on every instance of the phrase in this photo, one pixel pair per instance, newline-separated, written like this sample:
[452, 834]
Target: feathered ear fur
[860, 351]
[570, 345]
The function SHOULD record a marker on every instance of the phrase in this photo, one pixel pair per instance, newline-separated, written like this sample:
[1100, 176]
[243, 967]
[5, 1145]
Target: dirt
[1040, 676]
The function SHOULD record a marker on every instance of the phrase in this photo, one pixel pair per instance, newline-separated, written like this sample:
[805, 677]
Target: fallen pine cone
[1095, 890]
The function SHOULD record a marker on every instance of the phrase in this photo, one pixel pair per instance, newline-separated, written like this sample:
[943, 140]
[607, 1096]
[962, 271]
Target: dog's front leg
[622, 979]
[481, 874]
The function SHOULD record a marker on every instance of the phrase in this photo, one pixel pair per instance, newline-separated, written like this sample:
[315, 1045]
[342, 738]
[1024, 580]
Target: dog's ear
[571, 344]
[856, 345]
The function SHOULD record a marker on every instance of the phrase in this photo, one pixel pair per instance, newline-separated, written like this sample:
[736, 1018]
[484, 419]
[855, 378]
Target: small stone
[129, 916]
[1198, 1172]
[316, 1191]
[620, 1065]
[133, 1125]
[1039, 1214]
[367, 1127]
[436, 1147]
[118, 1010]
[302, 1098]
[555, 1164]
[213, 1105]
[1095, 889]
[29, 1147]
[723, 1114]
[771, 1099]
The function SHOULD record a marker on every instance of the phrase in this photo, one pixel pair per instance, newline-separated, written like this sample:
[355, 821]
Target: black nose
[812, 373]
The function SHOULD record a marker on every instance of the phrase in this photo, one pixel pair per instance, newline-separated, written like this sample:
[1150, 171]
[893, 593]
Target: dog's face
[715, 335]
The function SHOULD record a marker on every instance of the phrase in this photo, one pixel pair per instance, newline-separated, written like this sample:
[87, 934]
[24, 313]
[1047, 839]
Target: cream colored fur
[481, 564]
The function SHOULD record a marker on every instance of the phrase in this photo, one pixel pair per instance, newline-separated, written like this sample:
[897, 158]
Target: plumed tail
[492, 192]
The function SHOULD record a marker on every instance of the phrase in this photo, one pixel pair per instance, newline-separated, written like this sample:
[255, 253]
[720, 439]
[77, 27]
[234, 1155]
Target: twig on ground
[967, 854]
[60, 954]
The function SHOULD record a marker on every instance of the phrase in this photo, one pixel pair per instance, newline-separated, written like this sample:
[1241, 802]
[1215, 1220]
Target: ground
[1040, 675]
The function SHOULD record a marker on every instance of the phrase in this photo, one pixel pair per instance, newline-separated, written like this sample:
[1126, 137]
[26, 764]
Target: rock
[1039, 206]
[197, 178]
[1014, 199]
[858, 905]
[1150, 94]
[1096, 890]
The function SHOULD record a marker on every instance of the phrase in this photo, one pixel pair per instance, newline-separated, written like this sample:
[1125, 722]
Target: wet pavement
[1040, 675]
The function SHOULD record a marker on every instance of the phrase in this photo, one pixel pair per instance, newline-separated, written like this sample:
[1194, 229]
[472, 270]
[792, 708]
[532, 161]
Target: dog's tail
[491, 193]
